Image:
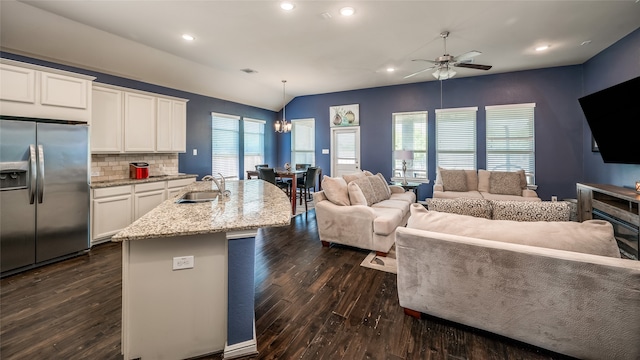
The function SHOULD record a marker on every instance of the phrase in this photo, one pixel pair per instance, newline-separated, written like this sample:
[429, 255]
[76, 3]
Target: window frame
[214, 116]
[312, 152]
[528, 114]
[249, 166]
[411, 164]
[443, 115]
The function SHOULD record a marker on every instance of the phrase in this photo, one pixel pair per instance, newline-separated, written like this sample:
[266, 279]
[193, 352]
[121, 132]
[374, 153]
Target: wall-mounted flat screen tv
[613, 114]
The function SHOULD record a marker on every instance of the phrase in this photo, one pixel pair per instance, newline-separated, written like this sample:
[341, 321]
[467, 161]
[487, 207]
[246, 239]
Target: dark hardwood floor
[311, 303]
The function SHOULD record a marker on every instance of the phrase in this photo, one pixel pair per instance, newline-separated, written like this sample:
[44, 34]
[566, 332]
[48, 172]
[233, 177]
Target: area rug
[386, 264]
[300, 208]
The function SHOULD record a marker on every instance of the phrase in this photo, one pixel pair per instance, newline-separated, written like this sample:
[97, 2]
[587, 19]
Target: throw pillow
[530, 210]
[379, 187]
[386, 184]
[365, 186]
[483, 180]
[454, 180]
[367, 172]
[335, 189]
[355, 194]
[505, 183]
[472, 180]
[353, 176]
[463, 206]
[589, 237]
[523, 179]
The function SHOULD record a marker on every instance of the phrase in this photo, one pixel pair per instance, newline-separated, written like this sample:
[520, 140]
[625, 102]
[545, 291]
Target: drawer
[112, 191]
[179, 183]
[159, 185]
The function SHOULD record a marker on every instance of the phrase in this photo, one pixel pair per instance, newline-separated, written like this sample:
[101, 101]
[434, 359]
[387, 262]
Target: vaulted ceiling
[313, 47]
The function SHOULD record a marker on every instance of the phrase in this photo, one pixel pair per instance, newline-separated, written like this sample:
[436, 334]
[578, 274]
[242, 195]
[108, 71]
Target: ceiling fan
[445, 63]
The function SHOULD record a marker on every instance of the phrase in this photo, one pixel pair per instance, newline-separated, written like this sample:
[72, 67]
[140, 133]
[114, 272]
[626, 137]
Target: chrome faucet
[220, 184]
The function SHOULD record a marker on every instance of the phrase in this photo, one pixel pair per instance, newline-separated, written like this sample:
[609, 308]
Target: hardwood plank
[312, 302]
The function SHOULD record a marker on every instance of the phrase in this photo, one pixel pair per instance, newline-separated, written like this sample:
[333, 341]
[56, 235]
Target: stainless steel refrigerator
[44, 192]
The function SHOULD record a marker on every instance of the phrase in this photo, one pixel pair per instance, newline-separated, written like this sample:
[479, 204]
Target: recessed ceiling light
[188, 37]
[287, 5]
[347, 11]
[542, 48]
[390, 69]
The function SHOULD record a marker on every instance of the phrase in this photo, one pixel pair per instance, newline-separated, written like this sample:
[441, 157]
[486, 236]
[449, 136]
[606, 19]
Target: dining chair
[261, 166]
[308, 182]
[269, 175]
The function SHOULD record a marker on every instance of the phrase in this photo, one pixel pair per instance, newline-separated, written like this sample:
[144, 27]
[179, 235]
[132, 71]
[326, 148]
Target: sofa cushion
[407, 196]
[531, 211]
[355, 194]
[590, 237]
[386, 220]
[335, 189]
[505, 183]
[353, 176]
[401, 205]
[489, 196]
[463, 206]
[454, 180]
[367, 190]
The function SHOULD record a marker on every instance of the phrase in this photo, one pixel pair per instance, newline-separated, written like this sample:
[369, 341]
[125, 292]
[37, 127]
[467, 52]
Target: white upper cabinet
[171, 125]
[139, 122]
[28, 90]
[131, 121]
[106, 120]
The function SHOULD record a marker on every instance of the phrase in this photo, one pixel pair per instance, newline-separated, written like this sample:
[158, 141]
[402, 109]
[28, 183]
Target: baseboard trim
[245, 348]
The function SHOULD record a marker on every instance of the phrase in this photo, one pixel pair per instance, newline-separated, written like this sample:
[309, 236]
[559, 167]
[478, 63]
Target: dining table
[289, 174]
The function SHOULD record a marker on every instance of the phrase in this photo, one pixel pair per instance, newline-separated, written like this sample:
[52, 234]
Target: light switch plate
[195, 152]
[183, 262]
[325, 151]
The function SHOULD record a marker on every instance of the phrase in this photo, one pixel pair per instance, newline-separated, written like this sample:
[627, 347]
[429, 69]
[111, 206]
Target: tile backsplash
[116, 166]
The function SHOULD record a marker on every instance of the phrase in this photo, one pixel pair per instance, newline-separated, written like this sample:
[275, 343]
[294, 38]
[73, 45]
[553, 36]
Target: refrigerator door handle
[40, 174]
[32, 173]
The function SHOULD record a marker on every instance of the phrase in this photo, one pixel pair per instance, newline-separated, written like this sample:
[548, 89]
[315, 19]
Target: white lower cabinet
[112, 211]
[148, 196]
[115, 208]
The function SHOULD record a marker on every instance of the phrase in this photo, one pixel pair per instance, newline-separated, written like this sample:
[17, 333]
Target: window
[303, 142]
[456, 138]
[510, 139]
[410, 134]
[225, 144]
[253, 143]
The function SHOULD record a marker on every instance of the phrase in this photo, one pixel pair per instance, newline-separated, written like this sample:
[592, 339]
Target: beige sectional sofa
[482, 184]
[561, 286]
[361, 210]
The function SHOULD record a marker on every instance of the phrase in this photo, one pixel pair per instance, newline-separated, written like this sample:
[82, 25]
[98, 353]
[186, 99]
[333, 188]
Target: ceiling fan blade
[473, 66]
[425, 60]
[419, 72]
[467, 55]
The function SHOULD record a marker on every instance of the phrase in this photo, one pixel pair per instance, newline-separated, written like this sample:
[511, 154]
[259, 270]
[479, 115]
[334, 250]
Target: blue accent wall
[616, 64]
[199, 109]
[558, 120]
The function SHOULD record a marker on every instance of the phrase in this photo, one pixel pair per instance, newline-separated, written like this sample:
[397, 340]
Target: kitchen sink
[198, 196]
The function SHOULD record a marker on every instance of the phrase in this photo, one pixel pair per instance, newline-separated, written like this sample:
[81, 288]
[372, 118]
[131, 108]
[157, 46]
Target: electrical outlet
[183, 262]
[554, 198]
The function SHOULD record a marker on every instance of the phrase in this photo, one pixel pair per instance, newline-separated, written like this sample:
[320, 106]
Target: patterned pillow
[380, 187]
[463, 206]
[505, 183]
[531, 210]
[454, 180]
[367, 190]
[386, 184]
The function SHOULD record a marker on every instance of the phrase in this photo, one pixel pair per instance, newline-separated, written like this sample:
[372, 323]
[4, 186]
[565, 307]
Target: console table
[620, 206]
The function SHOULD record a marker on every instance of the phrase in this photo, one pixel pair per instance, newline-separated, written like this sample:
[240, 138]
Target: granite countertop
[120, 182]
[252, 204]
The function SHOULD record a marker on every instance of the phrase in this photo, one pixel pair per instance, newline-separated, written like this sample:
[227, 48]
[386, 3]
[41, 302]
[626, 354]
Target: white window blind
[303, 142]
[410, 134]
[456, 138]
[253, 143]
[225, 144]
[510, 138]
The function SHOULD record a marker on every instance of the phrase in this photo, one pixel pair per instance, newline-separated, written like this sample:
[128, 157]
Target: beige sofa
[363, 212]
[482, 184]
[556, 285]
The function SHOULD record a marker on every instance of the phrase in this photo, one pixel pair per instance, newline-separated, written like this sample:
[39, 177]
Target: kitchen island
[187, 272]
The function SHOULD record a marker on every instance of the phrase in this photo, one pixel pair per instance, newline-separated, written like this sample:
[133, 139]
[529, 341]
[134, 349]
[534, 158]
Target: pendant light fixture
[282, 126]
